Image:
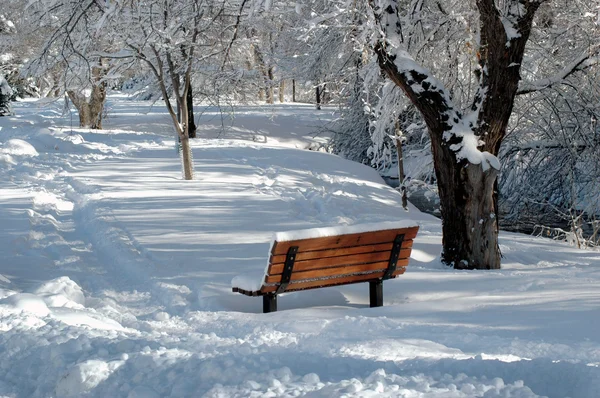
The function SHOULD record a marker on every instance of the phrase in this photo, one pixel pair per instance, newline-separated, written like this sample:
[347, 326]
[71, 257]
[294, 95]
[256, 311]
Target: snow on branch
[584, 61]
[426, 92]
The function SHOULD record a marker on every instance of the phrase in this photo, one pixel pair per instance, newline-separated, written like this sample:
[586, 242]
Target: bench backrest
[338, 260]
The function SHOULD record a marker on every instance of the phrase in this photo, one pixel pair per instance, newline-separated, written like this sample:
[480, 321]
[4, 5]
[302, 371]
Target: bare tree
[167, 41]
[71, 58]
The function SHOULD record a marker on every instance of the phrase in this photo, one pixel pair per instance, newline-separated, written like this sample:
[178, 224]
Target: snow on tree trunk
[5, 95]
[464, 146]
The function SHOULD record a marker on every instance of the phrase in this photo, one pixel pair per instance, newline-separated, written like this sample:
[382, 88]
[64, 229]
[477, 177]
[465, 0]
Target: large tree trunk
[469, 220]
[90, 109]
[466, 175]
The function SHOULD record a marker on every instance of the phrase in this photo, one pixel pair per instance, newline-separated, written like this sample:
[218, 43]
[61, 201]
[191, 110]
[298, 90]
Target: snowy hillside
[115, 274]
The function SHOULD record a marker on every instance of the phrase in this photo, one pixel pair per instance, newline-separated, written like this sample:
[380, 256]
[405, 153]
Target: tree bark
[469, 230]
[186, 159]
[466, 189]
[318, 97]
[293, 90]
[90, 109]
[190, 109]
[400, 156]
[269, 85]
[282, 91]
[469, 220]
[267, 73]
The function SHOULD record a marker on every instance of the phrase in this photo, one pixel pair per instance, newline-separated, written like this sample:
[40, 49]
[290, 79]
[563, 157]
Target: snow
[61, 292]
[468, 147]
[83, 377]
[250, 281]
[513, 13]
[323, 232]
[512, 32]
[16, 147]
[27, 302]
[115, 275]
[460, 126]
[4, 59]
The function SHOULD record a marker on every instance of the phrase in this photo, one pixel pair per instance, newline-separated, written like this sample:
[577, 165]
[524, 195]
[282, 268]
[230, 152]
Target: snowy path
[115, 275]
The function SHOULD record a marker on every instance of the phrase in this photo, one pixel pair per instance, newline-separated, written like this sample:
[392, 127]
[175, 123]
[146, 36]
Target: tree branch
[584, 61]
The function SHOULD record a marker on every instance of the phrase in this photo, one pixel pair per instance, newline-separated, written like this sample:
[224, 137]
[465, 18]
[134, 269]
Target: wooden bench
[301, 261]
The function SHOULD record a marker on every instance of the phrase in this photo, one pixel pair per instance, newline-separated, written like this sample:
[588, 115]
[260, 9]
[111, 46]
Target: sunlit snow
[115, 274]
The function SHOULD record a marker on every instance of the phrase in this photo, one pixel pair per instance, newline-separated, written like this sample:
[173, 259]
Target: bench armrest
[251, 281]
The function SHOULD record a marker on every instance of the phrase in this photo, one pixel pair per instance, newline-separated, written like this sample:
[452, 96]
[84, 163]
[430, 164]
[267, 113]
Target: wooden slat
[334, 242]
[336, 271]
[345, 280]
[345, 251]
[338, 262]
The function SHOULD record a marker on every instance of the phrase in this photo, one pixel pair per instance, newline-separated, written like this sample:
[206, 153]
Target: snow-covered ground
[115, 275]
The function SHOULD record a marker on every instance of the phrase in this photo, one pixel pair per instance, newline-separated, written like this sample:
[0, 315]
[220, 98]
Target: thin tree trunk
[269, 85]
[179, 118]
[400, 156]
[184, 132]
[190, 109]
[186, 158]
[293, 90]
[282, 91]
[318, 97]
[267, 73]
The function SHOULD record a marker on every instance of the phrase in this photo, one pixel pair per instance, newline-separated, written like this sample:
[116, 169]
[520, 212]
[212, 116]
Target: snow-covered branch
[588, 59]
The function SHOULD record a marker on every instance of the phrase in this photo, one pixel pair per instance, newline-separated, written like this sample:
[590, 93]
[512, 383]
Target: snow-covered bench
[322, 257]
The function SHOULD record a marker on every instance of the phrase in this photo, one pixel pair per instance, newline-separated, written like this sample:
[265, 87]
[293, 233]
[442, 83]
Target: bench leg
[269, 303]
[376, 293]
